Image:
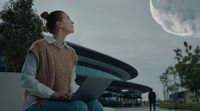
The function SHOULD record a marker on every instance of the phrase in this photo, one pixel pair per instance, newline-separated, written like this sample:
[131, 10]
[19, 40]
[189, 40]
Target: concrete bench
[108, 109]
[11, 93]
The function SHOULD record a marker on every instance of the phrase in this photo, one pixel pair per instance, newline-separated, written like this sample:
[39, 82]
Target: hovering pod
[179, 17]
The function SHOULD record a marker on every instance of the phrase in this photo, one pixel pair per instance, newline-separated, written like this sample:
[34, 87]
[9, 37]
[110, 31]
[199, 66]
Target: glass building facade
[90, 70]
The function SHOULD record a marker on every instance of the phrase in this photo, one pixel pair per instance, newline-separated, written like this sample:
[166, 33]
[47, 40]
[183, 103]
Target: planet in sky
[179, 17]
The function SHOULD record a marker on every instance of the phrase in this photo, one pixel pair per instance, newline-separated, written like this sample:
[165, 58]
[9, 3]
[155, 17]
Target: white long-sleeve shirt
[30, 83]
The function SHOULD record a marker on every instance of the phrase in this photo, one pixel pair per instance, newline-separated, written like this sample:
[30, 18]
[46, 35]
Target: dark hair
[51, 19]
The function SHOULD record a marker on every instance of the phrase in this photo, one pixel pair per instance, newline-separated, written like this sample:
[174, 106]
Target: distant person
[152, 100]
[48, 74]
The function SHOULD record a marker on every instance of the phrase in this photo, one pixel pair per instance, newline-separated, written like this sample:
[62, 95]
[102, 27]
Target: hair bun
[44, 15]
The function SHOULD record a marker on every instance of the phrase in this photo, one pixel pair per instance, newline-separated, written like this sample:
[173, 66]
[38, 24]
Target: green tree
[169, 81]
[164, 80]
[188, 67]
[174, 86]
[19, 28]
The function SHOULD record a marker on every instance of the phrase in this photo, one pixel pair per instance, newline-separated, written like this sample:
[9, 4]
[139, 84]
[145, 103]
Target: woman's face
[66, 24]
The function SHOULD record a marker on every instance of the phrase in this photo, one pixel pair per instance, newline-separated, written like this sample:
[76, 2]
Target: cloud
[179, 17]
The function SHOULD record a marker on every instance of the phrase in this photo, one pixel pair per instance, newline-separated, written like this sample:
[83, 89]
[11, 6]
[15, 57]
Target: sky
[123, 29]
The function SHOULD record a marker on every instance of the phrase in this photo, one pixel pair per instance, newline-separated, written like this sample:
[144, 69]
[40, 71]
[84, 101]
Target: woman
[48, 74]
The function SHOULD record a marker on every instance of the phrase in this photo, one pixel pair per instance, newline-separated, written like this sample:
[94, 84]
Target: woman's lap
[75, 105]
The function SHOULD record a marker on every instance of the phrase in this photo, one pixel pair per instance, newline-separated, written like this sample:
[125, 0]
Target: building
[120, 93]
[184, 97]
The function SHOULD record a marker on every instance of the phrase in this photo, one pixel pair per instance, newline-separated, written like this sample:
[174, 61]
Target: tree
[164, 80]
[20, 27]
[188, 67]
[174, 86]
[169, 81]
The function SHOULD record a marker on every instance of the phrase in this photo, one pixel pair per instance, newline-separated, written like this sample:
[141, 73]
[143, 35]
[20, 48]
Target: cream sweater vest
[54, 65]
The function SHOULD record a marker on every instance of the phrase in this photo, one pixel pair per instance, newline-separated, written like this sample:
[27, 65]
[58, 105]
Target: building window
[88, 70]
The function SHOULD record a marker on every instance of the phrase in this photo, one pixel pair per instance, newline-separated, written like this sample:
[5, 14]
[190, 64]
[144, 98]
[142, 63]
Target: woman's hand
[60, 96]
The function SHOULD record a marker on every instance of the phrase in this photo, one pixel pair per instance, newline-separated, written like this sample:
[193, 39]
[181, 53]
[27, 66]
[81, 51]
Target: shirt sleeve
[74, 86]
[29, 81]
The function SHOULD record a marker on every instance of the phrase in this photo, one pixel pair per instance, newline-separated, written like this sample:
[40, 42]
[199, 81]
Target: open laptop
[91, 88]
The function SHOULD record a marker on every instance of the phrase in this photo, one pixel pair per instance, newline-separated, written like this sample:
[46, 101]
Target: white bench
[11, 93]
[108, 109]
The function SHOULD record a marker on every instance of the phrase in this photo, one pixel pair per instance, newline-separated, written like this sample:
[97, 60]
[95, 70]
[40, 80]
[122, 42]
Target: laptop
[91, 89]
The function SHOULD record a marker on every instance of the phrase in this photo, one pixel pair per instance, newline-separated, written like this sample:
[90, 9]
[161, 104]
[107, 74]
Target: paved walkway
[143, 109]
